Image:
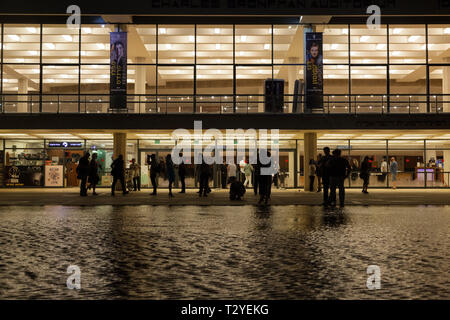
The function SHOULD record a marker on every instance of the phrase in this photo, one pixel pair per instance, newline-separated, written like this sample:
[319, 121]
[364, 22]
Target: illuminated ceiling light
[67, 38]
[397, 30]
[344, 31]
[364, 38]
[162, 30]
[191, 38]
[413, 38]
[243, 38]
[217, 46]
[366, 61]
[259, 71]
[168, 46]
[177, 71]
[218, 61]
[83, 53]
[396, 53]
[51, 80]
[103, 25]
[87, 30]
[447, 30]
[216, 30]
[334, 46]
[20, 60]
[266, 46]
[174, 60]
[101, 46]
[50, 46]
[381, 46]
[270, 31]
[31, 29]
[14, 37]
[219, 71]
[241, 53]
[35, 70]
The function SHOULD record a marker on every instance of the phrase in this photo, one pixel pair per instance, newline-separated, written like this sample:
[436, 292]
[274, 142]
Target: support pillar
[22, 107]
[446, 86]
[310, 148]
[120, 147]
[447, 166]
[139, 85]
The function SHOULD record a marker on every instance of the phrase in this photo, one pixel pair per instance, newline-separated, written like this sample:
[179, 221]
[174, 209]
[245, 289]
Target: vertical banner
[313, 71]
[118, 70]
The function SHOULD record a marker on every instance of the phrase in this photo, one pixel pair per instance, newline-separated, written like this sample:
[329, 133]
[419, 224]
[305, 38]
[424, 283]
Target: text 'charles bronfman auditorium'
[127, 75]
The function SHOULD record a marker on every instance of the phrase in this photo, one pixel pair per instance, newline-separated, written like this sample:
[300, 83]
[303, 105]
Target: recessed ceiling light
[162, 30]
[447, 30]
[101, 46]
[216, 30]
[173, 60]
[241, 53]
[67, 38]
[168, 46]
[344, 31]
[364, 39]
[381, 46]
[334, 46]
[14, 37]
[413, 38]
[397, 30]
[191, 38]
[87, 30]
[267, 46]
[217, 45]
[243, 38]
[50, 46]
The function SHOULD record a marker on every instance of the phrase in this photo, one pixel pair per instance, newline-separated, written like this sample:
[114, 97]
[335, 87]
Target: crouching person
[237, 189]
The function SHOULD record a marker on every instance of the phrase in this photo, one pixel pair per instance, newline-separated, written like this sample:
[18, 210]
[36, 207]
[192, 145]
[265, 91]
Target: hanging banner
[118, 71]
[313, 71]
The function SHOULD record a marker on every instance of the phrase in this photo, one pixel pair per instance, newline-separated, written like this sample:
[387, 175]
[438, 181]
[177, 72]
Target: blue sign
[65, 144]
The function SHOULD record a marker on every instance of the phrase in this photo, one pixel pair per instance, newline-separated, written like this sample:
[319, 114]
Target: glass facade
[222, 68]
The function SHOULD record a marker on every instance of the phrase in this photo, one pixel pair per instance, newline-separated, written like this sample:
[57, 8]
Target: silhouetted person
[318, 173]
[154, 170]
[205, 173]
[136, 174]
[93, 174]
[182, 174]
[223, 175]
[364, 173]
[265, 182]
[312, 174]
[256, 175]
[325, 174]
[83, 173]
[237, 189]
[170, 173]
[339, 169]
[118, 173]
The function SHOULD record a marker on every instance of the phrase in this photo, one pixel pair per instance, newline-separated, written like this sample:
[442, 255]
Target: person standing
[312, 174]
[205, 173]
[93, 174]
[248, 170]
[265, 181]
[256, 175]
[339, 169]
[170, 173]
[154, 170]
[318, 174]
[136, 173]
[223, 175]
[231, 171]
[83, 173]
[325, 174]
[182, 174]
[394, 170]
[364, 173]
[384, 170]
[118, 173]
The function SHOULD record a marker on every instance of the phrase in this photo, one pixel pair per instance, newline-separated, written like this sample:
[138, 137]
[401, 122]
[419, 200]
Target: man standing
[136, 173]
[205, 173]
[223, 175]
[325, 174]
[394, 170]
[118, 173]
[338, 169]
[154, 170]
[83, 173]
[182, 174]
[231, 170]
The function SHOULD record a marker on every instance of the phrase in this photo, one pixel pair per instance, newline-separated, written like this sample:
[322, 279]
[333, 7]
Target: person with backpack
[154, 170]
[118, 173]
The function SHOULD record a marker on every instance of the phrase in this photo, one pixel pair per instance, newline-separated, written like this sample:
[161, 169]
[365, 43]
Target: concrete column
[292, 76]
[290, 181]
[261, 98]
[120, 147]
[446, 85]
[310, 147]
[22, 107]
[447, 167]
[139, 85]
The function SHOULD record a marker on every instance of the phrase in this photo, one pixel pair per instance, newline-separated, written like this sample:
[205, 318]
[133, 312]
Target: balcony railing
[225, 104]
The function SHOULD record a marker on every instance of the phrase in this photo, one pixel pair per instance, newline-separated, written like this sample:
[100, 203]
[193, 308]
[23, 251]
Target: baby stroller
[129, 179]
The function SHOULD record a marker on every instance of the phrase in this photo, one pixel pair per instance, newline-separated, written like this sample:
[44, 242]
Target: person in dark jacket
[338, 170]
[318, 173]
[118, 173]
[205, 173]
[265, 182]
[364, 173]
[256, 175]
[83, 173]
[182, 174]
[237, 189]
[223, 175]
[325, 174]
[93, 174]
[170, 173]
[154, 170]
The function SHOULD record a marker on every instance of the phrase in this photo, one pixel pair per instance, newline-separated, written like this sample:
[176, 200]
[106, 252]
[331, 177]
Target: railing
[224, 104]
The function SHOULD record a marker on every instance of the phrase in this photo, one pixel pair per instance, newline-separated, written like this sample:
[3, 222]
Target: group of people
[87, 171]
[332, 170]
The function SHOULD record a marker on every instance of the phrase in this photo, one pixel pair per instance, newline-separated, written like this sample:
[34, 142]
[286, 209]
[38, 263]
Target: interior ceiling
[366, 136]
[215, 47]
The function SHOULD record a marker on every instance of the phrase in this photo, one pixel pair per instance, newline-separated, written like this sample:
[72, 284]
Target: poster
[118, 70]
[313, 71]
[24, 176]
[53, 176]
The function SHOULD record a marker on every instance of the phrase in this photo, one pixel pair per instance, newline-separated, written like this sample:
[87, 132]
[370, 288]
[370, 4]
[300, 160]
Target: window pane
[95, 44]
[439, 42]
[253, 44]
[60, 44]
[287, 44]
[215, 44]
[22, 43]
[18, 82]
[368, 46]
[335, 44]
[176, 44]
[146, 35]
[407, 44]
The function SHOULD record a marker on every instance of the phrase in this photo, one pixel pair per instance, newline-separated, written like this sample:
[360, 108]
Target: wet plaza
[224, 252]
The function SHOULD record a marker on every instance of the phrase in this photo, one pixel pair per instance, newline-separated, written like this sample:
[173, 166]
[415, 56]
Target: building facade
[385, 92]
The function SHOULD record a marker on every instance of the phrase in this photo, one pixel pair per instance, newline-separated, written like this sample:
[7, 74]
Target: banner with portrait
[118, 70]
[313, 71]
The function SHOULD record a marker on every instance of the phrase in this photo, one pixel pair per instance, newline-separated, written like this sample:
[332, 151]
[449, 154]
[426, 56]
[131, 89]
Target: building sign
[65, 144]
[313, 71]
[53, 176]
[118, 70]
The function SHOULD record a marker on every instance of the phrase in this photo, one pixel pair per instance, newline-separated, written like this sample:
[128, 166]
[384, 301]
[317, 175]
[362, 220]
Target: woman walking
[364, 173]
[170, 173]
[93, 178]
